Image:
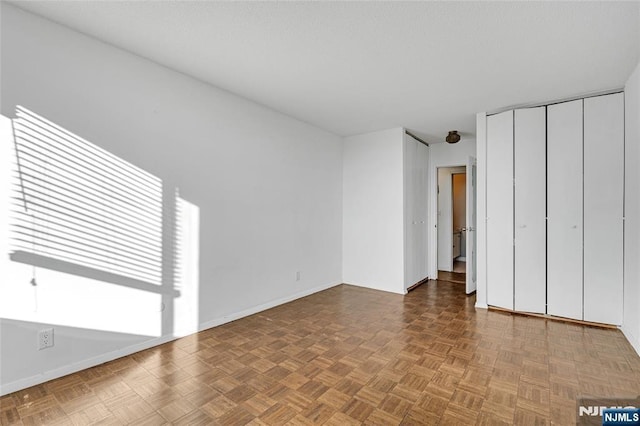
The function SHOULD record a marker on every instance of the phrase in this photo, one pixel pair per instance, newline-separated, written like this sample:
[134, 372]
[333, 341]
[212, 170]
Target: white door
[564, 209]
[500, 210]
[423, 212]
[410, 146]
[530, 210]
[415, 180]
[603, 208]
[471, 226]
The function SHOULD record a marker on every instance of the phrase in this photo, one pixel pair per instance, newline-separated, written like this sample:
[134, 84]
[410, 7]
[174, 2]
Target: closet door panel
[564, 207]
[409, 210]
[530, 210]
[423, 168]
[500, 210]
[416, 163]
[603, 208]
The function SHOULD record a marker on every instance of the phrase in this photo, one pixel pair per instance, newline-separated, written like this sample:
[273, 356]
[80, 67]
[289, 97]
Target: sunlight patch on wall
[85, 236]
[76, 203]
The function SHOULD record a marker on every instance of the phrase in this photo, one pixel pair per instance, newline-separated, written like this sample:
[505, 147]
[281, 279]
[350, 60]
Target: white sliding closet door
[500, 210]
[603, 208]
[410, 181]
[416, 162]
[564, 207]
[530, 210]
[421, 204]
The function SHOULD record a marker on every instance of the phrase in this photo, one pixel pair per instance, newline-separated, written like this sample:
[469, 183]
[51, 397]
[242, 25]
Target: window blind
[77, 203]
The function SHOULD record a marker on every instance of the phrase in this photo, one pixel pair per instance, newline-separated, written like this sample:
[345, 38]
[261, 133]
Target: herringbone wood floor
[350, 355]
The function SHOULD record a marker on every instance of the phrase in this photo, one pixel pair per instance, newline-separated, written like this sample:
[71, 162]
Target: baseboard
[401, 292]
[553, 318]
[418, 284]
[263, 307]
[481, 305]
[633, 340]
[37, 379]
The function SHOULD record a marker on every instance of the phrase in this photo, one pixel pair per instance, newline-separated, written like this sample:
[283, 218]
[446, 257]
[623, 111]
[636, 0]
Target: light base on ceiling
[453, 137]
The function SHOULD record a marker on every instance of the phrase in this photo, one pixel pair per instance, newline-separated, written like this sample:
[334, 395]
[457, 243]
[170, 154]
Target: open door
[471, 225]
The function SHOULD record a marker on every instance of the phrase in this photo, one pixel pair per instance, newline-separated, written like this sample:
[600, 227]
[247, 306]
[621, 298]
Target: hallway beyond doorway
[452, 277]
[459, 266]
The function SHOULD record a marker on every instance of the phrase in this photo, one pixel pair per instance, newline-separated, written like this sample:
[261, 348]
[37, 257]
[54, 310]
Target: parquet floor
[459, 266]
[454, 277]
[345, 356]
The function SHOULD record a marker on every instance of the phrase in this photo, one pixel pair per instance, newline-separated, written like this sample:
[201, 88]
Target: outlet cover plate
[45, 338]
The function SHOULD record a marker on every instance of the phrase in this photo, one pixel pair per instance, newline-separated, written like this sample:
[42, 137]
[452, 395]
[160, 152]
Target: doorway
[451, 225]
[459, 219]
[441, 220]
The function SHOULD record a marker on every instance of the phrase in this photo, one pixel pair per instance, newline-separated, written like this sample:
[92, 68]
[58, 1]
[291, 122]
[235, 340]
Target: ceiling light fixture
[453, 137]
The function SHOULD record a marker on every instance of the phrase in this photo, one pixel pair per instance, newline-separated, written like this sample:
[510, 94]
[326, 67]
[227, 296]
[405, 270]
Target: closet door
[500, 210]
[416, 163]
[603, 204]
[530, 210]
[410, 151]
[564, 207]
[421, 205]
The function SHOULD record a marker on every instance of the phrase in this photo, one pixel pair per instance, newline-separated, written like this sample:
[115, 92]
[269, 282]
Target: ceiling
[356, 67]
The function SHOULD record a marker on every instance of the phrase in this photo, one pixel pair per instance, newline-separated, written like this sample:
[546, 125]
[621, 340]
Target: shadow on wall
[93, 241]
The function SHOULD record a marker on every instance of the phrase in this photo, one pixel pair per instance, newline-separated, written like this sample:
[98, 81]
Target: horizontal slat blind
[76, 202]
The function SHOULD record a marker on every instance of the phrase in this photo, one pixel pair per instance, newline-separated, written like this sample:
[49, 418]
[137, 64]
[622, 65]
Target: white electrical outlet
[45, 338]
[298, 275]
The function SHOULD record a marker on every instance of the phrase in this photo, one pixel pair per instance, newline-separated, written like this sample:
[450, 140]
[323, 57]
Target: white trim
[263, 307]
[481, 212]
[557, 101]
[37, 379]
[403, 292]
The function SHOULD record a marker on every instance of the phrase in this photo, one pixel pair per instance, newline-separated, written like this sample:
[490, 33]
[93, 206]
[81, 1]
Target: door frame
[434, 217]
[471, 223]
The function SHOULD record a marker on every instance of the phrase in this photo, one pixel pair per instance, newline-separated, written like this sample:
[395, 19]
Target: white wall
[373, 222]
[268, 187]
[443, 155]
[631, 320]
